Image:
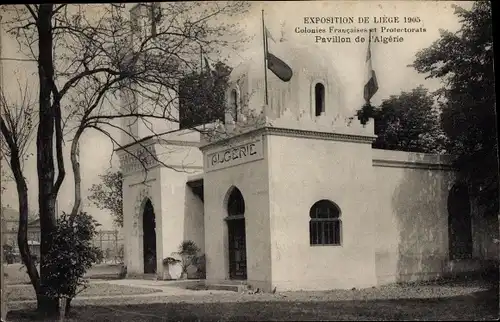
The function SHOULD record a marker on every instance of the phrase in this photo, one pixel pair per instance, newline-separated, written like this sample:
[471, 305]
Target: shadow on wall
[194, 227]
[437, 226]
[420, 206]
[193, 218]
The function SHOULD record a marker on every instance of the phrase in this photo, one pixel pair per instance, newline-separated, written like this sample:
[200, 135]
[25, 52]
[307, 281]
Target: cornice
[306, 134]
[412, 165]
[142, 182]
[175, 167]
[177, 142]
[330, 136]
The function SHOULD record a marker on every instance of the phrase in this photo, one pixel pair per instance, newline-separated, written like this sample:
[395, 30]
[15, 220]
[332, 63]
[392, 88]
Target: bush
[72, 254]
[188, 252]
[8, 253]
[200, 263]
[123, 272]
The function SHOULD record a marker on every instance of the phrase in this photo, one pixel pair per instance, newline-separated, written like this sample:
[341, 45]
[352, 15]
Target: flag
[268, 35]
[371, 84]
[275, 64]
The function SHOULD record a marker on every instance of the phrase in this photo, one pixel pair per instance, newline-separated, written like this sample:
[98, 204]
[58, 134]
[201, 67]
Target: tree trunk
[47, 192]
[22, 193]
[22, 233]
[75, 157]
[68, 306]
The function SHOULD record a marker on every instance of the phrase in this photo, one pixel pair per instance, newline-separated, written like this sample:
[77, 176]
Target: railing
[109, 241]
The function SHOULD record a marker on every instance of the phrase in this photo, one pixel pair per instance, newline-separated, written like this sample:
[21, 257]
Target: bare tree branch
[85, 55]
[32, 11]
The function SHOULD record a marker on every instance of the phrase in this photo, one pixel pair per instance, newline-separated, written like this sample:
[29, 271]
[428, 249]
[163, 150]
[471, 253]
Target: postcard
[249, 160]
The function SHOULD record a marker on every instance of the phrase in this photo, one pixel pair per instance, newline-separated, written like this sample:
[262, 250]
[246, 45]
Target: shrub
[72, 255]
[123, 272]
[200, 263]
[8, 253]
[188, 251]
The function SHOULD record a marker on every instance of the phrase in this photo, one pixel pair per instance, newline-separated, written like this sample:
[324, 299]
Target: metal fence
[111, 244]
[109, 241]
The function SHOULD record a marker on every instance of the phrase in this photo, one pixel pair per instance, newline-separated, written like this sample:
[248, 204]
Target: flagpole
[3, 289]
[370, 51]
[264, 36]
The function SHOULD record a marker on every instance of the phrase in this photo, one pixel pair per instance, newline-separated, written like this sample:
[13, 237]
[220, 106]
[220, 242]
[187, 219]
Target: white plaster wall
[182, 212]
[157, 124]
[412, 218]
[183, 158]
[302, 172]
[136, 188]
[310, 64]
[179, 213]
[252, 180]
[194, 220]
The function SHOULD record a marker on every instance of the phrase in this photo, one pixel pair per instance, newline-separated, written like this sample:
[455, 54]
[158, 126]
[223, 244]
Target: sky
[390, 61]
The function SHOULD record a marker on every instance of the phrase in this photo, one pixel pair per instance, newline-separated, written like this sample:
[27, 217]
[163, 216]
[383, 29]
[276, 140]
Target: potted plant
[199, 262]
[188, 250]
[167, 262]
[123, 271]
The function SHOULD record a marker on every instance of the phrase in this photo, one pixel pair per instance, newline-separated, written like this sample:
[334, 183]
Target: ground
[26, 292]
[449, 300]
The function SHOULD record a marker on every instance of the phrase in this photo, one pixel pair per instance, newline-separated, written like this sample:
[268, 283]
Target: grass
[427, 302]
[478, 306]
[26, 292]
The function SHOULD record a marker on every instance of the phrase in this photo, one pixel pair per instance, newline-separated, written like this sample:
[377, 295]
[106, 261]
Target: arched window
[319, 98]
[325, 224]
[459, 223]
[234, 105]
[235, 203]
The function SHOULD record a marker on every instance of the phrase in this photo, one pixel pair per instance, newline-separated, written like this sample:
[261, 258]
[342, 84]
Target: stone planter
[166, 273]
[171, 271]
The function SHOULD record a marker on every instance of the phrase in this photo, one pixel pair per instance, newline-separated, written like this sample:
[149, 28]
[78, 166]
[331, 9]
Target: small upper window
[234, 105]
[325, 223]
[319, 98]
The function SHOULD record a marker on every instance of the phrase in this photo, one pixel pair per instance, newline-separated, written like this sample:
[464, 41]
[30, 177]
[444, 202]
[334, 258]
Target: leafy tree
[71, 256]
[406, 122]
[464, 61]
[86, 56]
[108, 195]
[202, 96]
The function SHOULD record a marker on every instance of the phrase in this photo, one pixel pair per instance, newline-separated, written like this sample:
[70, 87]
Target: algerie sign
[234, 155]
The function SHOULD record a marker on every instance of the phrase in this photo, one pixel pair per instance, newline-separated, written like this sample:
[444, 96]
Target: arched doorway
[149, 238]
[236, 233]
[459, 223]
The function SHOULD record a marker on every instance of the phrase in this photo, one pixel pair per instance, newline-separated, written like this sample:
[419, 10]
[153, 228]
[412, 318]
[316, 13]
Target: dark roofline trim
[195, 183]
[306, 134]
